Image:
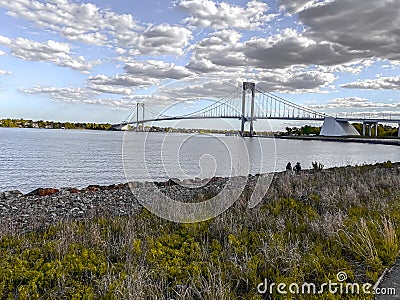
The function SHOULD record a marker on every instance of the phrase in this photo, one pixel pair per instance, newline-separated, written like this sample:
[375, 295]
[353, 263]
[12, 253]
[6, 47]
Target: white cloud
[203, 65]
[66, 94]
[354, 67]
[114, 104]
[223, 50]
[280, 63]
[295, 6]
[291, 48]
[123, 84]
[365, 26]
[218, 39]
[207, 13]
[286, 81]
[78, 22]
[138, 74]
[4, 72]
[156, 69]
[49, 51]
[90, 24]
[162, 39]
[390, 83]
[354, 102]
[76, 95]
[192, 89]
[333, 40]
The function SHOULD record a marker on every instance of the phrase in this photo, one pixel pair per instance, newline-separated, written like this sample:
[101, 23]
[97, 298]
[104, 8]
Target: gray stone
[64, 192]
[133, 185]
[187, 181]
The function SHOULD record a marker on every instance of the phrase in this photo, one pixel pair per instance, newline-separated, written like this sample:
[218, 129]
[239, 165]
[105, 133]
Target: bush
[317, 167]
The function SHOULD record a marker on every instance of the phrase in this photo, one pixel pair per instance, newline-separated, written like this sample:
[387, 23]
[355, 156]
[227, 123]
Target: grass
[307, 229]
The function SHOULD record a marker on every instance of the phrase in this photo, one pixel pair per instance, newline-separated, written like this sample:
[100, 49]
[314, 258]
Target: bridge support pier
[371, 125]
[398, 131]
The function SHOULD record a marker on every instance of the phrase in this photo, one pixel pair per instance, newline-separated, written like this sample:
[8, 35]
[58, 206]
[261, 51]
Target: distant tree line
[304, 130]
[23, 123]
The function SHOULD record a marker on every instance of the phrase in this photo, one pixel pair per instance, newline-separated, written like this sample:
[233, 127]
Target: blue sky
[92, 61]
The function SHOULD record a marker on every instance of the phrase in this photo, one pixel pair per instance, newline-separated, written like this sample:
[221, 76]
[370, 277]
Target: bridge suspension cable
[265, 106]
[279, 108]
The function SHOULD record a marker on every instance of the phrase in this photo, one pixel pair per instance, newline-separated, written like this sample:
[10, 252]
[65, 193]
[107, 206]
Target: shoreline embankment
[47, 206]
[100, 243]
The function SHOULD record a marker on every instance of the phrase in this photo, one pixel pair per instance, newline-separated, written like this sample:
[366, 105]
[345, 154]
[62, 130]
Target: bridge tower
[248, 86]
[139, 106]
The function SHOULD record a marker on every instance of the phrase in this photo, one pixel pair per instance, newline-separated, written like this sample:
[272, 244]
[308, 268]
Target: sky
[91, 61]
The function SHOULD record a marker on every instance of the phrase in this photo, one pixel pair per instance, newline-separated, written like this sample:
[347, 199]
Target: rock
[173, 181]
[122, 186]
[146, 184]
[93, 188]
[13, 193]
[188, 181]
[44, 192]
[109, 187]
[2, 195]
[64, 192]
[133, 185]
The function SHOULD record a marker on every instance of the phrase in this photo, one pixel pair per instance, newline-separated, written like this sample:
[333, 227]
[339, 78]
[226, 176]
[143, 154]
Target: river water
[32, 158]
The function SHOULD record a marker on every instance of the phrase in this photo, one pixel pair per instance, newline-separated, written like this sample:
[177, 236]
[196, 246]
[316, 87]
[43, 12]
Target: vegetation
[308, 228]
[304, 130]
[317, 166]
[22, 123]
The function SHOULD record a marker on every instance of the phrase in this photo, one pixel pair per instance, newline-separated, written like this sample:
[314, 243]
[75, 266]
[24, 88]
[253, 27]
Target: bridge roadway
[366, 120]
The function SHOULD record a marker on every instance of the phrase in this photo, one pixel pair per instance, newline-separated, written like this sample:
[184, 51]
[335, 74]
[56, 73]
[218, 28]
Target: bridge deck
[226, 117]
[372, 120]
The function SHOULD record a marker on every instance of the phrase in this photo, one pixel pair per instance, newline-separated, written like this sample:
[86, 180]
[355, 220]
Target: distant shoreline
[393, 141]
[41, 124]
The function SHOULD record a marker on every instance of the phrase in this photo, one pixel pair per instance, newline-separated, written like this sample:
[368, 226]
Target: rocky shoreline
[46, 206]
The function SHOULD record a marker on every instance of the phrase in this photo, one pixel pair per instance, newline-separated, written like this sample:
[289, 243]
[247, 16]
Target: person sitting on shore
[289, 168]
[297, 168]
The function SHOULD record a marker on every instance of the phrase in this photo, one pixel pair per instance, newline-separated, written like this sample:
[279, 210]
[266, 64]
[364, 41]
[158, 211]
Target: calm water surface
[32, 158]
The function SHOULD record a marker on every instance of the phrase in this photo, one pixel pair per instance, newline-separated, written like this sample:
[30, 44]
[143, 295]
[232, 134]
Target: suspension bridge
[249, 103]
